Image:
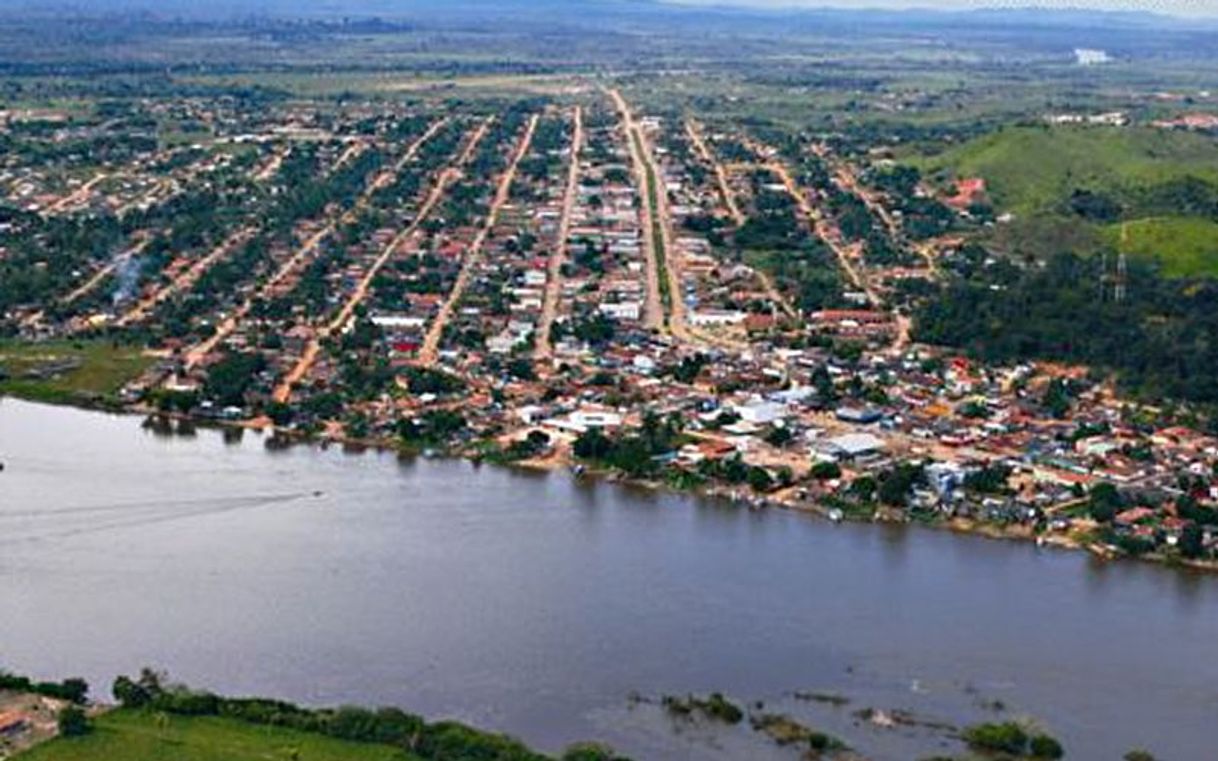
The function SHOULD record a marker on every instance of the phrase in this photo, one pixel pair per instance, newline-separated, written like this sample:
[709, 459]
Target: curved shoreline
[961, 526]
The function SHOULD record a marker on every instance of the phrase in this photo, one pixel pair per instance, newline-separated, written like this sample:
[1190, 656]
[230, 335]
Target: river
[537, 604]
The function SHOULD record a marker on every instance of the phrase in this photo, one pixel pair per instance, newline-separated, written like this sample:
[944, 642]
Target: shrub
[1007, 737]
[73, 722]
[719, 707]
[1043, 746]
[591, 752]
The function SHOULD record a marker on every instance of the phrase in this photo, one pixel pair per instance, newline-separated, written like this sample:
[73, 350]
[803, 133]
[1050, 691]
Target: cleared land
[1183, 245]
[132, 736]
[68, 371]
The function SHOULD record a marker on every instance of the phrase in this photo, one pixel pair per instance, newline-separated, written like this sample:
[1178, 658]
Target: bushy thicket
[437, 741]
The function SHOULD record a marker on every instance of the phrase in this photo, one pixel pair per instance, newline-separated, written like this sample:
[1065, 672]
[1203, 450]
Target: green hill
[127, 735]
[1030, 169]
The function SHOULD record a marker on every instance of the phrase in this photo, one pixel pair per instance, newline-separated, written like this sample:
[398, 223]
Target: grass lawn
[1030, 169]
[101, 371]
[134, 736]
[1186, 246]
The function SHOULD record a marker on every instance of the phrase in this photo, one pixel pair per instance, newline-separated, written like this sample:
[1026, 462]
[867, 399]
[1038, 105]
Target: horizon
[1175, 9]
[1207, 9]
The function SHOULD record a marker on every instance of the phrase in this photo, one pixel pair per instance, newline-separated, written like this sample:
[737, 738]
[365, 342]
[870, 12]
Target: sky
[1173, 7]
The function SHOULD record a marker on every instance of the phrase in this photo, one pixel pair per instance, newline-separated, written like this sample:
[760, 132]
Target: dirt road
[283, 391]
[186, 279]
[653, 308]
[823, 230]
[199, 351]
[694, 130]
[435, 332]
[549, 308]
[76, 196]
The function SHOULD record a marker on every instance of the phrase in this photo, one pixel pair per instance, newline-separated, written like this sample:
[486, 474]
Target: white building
[716, 317]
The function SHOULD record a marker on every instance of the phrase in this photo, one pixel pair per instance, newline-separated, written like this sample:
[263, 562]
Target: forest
[1160, 340]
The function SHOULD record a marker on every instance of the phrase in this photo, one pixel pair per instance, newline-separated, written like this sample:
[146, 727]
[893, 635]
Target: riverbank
[560, 459]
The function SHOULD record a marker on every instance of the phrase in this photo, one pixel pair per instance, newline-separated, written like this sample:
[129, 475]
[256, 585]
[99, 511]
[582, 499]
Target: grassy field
[135, 736]
[99, 369]
[1185, 245]
[1035, 168]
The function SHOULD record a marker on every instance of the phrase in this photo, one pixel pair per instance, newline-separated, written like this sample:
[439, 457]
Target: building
[852, 446]
[759, 411]
[858, 415]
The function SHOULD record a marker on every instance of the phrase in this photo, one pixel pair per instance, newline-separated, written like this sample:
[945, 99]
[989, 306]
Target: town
[576, 282]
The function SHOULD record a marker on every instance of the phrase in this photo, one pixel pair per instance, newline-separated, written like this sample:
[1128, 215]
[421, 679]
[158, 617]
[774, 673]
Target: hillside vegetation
[1146, 192]
[1029, 169]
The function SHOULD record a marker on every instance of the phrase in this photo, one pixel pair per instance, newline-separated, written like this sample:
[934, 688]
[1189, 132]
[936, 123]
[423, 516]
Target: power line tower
[1103, 279]
[1122, 279]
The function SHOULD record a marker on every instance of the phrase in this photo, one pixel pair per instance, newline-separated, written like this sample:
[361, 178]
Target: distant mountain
[575, 10]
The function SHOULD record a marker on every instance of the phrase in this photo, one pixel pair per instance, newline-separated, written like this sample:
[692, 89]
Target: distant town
[576, 282]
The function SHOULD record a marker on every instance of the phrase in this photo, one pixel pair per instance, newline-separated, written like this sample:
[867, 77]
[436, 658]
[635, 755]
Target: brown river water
[538, 604]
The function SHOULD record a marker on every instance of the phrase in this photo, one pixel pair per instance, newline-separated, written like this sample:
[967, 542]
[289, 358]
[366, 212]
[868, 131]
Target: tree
[74, 689]
[896, 483]
[521, 368]
[1104, 502]
[73, 722]
[592, 444]
[1191, 541]
[863, 488]
[760, 479]
[779, 436]
[1044, 746]
[130, 694]
[826, 471]
[992, 479]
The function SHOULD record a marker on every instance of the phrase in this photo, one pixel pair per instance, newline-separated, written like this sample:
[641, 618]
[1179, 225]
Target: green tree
[760, 479]
[826, 471]
[779, 436]
[1103, 502]
[1191, 541]
[130, 694]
